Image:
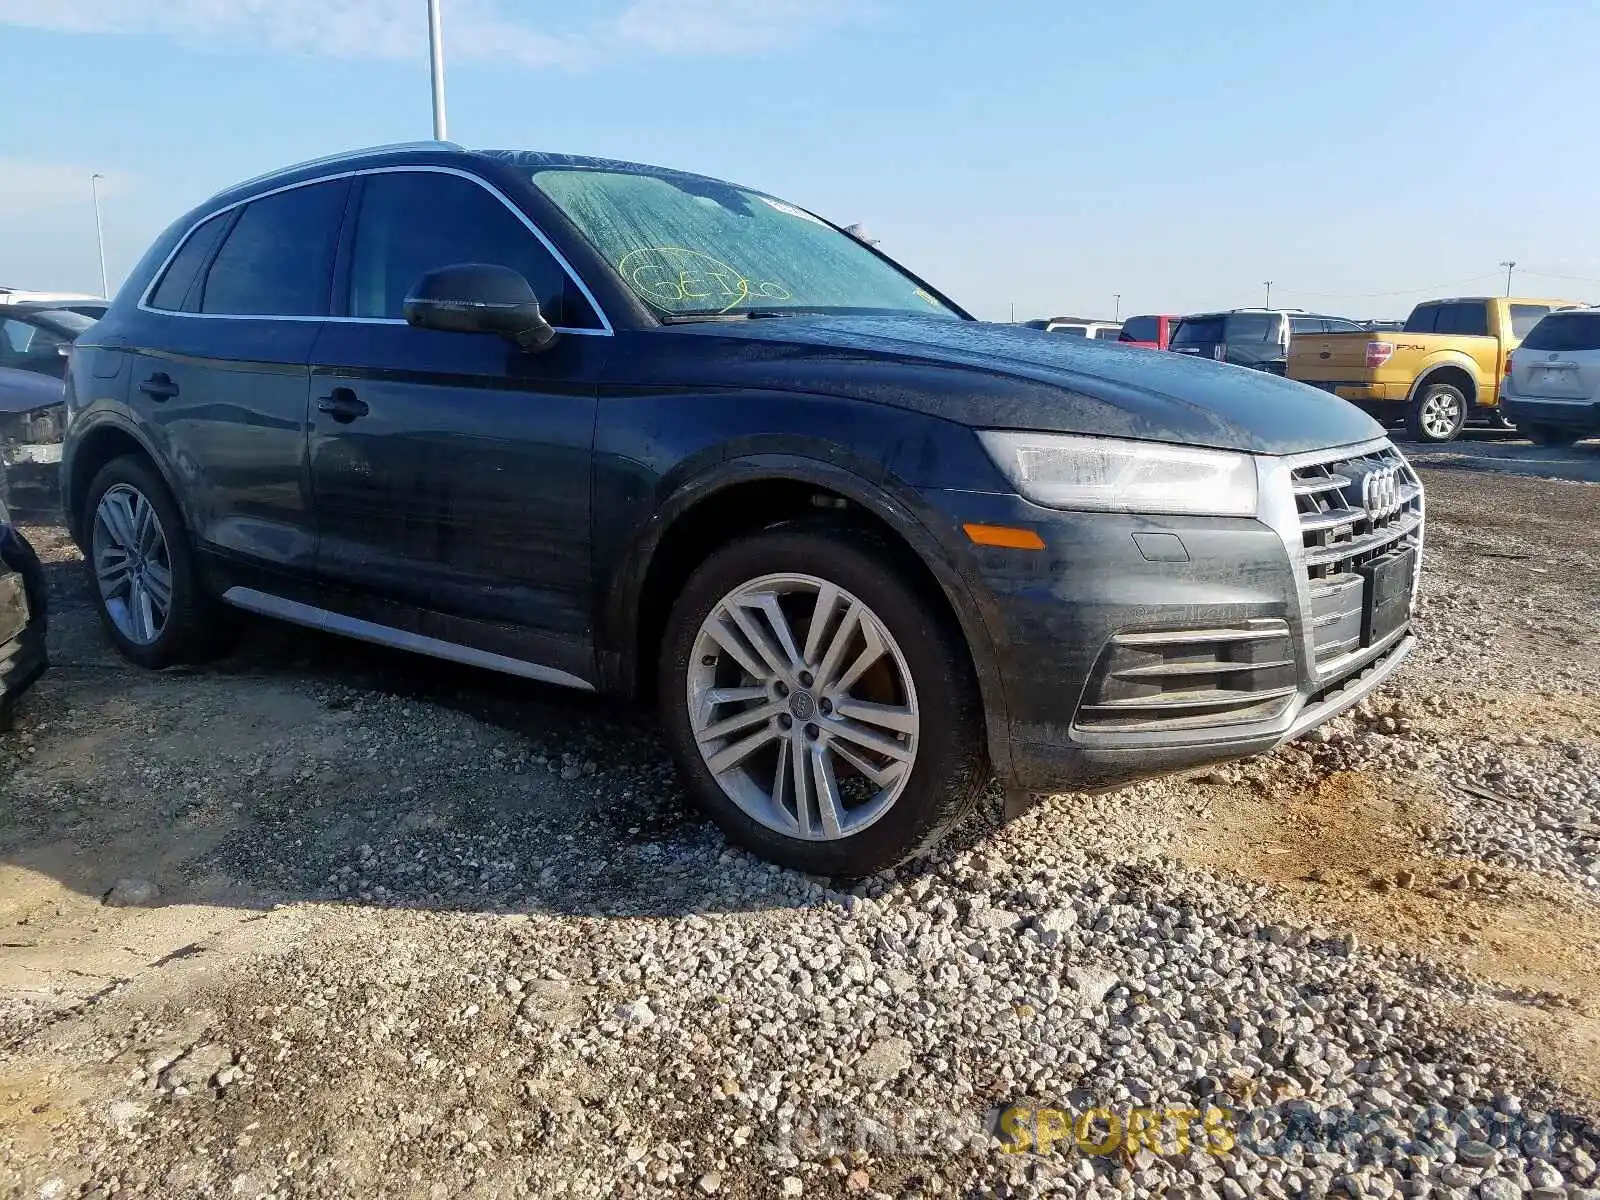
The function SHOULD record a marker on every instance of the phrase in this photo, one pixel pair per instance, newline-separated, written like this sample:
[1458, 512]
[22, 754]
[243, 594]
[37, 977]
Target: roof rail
[329, 160]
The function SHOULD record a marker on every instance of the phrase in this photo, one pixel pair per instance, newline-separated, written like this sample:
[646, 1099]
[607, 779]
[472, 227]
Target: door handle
[159, 387]
[343, 405]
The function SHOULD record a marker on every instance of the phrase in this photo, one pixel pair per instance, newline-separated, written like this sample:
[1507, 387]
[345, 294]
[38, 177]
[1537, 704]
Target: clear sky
[1042, 154]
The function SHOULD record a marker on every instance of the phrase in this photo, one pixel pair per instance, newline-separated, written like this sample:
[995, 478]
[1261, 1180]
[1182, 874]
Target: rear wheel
[1438, 413]
[142, 571]
[822, 712]
[1550, 435]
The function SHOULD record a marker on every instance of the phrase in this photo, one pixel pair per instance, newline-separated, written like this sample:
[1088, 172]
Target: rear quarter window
[172, 294]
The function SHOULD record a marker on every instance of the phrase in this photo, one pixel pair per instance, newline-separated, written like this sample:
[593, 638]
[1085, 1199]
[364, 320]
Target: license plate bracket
[1387, 604]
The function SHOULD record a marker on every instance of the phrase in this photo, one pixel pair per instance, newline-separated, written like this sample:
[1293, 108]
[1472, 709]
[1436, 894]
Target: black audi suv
[633, 430]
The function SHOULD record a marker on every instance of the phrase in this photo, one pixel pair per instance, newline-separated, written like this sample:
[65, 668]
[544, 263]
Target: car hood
[1012, 377]
[24, 391]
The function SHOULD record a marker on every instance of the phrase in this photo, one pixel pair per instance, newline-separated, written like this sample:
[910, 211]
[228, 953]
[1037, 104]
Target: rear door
[453, 475]
[221, 368]
[1560, 358]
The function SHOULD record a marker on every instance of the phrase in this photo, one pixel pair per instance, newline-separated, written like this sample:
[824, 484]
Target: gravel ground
[388, 928]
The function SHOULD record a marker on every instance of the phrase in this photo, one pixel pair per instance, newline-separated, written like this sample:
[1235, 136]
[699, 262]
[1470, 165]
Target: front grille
[1190, 678]
[1343, 542]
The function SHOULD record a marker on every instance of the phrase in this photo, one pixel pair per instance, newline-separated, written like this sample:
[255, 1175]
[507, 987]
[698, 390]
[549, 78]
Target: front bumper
[23, 619]
[1578, 416]
[1168, 589]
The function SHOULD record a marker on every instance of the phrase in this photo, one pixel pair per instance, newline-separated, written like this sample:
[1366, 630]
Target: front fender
[895, 503]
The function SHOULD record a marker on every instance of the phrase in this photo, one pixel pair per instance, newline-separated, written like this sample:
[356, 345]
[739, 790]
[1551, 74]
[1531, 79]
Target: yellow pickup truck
[1442, 370]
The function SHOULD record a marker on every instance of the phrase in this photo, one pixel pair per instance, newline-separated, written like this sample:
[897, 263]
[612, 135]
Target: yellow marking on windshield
[669, 275]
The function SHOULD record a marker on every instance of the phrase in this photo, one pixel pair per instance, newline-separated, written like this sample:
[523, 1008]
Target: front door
[451, 472]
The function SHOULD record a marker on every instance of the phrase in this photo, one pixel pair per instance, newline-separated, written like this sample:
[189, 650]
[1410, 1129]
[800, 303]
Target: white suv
[1552, 384]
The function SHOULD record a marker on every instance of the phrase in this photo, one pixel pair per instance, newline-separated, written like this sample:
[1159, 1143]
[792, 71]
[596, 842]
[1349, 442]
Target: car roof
[1563, 303]
[435, 153]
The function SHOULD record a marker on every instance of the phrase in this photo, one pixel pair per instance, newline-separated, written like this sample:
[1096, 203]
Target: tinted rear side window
[173, 293]
[1198, 331]
[1422, 319]
[1565, 331]
[1251, 327]
[413, 222]
[1463, 320]
[1141, 329]
[1107, 334]
[1525, 316]
[278, 259]
[1307, 325]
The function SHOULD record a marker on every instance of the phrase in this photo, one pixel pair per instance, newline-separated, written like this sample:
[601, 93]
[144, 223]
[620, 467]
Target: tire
[921, 680]
[1550, 435]
[193, 626]
[1437, 414]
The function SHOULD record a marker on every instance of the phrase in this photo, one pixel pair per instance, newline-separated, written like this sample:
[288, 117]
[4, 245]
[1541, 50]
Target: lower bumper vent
[1186, 679]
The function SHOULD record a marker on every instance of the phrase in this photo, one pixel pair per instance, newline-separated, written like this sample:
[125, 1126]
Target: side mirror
[480, 298]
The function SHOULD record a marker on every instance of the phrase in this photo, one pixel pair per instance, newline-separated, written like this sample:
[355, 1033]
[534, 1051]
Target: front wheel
[821, 710]
[1438, 413]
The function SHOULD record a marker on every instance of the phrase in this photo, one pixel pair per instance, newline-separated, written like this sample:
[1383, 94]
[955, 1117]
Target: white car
[1100, 331]
[1552, 384]
[64, 299]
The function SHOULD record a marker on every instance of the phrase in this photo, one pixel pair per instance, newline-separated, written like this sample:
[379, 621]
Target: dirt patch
[1351, 851]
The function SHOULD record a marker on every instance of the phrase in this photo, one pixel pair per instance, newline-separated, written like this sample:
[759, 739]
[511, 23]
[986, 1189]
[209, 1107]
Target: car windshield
[692, 247]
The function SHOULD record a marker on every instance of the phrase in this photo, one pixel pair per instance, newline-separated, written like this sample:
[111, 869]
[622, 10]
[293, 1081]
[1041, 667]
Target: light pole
[1116, 314]
[1510, 266]
[1268, 304]
[436, 56]
[100, 233]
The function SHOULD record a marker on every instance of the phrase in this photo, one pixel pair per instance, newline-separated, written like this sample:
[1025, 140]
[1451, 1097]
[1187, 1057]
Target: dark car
[33, 418]
[638, 431]
[37, 338]
[23, 616]
[1252, 337]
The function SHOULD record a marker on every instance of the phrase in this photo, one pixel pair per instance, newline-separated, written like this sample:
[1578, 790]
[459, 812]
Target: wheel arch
[1458, 372]
[92, 449]
[745, 495]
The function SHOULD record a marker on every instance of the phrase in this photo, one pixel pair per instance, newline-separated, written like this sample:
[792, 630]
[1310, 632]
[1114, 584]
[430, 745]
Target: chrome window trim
[605, 330]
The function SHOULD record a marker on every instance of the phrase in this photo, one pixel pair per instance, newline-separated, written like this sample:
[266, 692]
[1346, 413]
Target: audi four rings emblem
[1380, 493]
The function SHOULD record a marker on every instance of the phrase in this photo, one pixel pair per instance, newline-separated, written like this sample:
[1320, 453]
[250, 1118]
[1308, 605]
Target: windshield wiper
[743, 314]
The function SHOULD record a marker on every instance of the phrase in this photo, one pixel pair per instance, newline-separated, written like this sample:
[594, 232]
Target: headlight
[1112, 475]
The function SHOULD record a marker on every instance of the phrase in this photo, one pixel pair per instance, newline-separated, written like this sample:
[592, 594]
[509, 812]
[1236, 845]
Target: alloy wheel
[132, 564]
[1441, 413]
[803, 707]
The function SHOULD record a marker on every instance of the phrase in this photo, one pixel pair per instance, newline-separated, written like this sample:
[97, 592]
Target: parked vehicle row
[632, 430]
[1441, 371]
